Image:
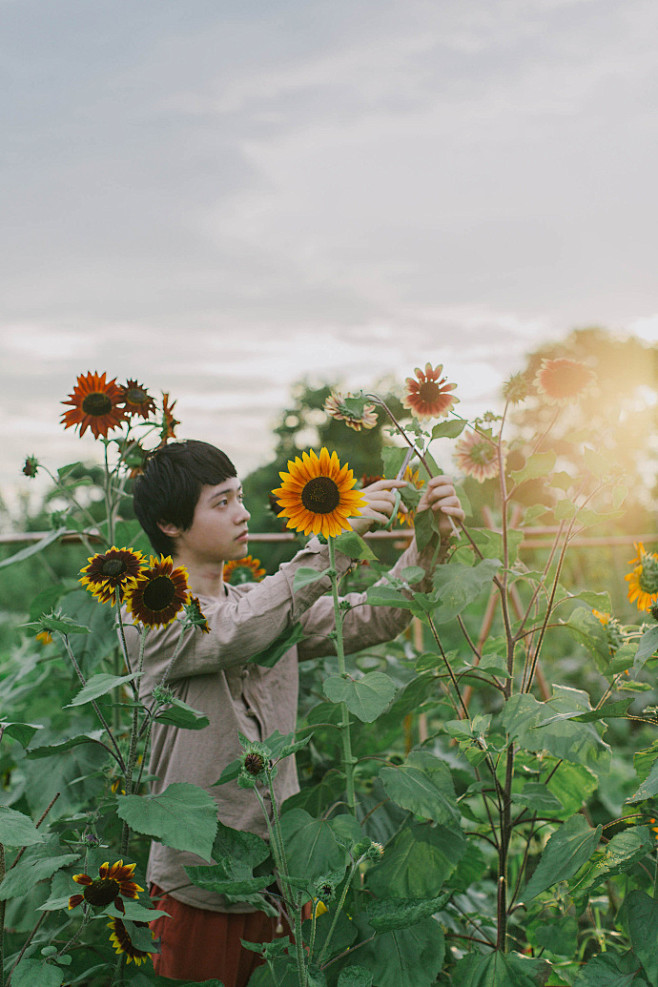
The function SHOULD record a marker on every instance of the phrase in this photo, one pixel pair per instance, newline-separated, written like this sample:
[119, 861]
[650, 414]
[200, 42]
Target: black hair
[169, 488]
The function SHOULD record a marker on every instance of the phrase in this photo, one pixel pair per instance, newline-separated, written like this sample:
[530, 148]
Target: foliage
[479, 797]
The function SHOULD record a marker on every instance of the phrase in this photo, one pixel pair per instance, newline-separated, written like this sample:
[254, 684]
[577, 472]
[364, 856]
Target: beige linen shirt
[211, 674]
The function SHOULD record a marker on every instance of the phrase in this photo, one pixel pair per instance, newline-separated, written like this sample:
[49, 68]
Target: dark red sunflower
[159, 593]
[96, 405]
[195, 615]
[120, 939]
[428, 396]
[115, 569]
[111, 884]
[168, 423]
[137, 400]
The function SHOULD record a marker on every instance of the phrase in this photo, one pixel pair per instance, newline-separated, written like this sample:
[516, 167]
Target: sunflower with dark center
[115, 569]
[122, 942]
[96, 405]
[428, 396]
[477, 456]
[137, 400]
[317, 496]
[195, 616]
[562, 381]
[159, 593]
[246, 570]
[108, 888]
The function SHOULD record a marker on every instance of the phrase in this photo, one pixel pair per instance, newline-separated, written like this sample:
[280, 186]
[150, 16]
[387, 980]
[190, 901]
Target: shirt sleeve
[364, 625]
[241, 625]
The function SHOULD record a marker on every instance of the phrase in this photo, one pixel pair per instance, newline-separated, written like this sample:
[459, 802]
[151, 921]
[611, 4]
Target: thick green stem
[347, 885]
[132, 753]
[344, 726]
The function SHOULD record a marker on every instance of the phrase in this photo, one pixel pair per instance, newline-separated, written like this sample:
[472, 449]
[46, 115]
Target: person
[189, 502]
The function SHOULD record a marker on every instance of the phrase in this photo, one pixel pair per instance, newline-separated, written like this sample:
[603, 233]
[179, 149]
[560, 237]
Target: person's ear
[169, 529]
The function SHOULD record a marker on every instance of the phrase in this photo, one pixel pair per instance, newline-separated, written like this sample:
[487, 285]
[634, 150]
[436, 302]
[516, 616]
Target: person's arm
[365, 625]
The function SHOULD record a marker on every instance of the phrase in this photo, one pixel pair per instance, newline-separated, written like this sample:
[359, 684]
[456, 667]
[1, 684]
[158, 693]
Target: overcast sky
[219, 198]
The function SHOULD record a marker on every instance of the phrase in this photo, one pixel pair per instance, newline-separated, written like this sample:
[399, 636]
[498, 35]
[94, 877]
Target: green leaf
[425, 528]
[366, 697]
[423, 785]
[179, 714]
[22, 732]
[182, 816]
[385, 914]
[31, 550]
[538, 798]
[100, 685]
[343, 936]
[590, 632]
[61, 622]
[610, 970]
[312, 848]
[565, 509]
[596, 463]
[411, 956]
[208, 878]
[38, 863]
[50, 750]
[418, 861]
[649, 786]
[642, 918]
[305, 576]
[236, 855]
[456, 585]
[597, 601]
[647, 647]
[30, 972]
[270, 655]
[522, 716]
[413, 574]
[572, 784]
[567, 850]
[353, 546]
[392, 458]
[490, 543]
[450, 429]
[616, 857]
[16, 829]
[540, 464]
[355, 976]
[497, 969]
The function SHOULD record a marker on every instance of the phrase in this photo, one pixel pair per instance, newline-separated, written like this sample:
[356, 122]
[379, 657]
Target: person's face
[219, 527]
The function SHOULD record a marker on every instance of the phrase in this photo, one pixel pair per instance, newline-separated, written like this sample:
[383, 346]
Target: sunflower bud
[515, 389]
[31, 466]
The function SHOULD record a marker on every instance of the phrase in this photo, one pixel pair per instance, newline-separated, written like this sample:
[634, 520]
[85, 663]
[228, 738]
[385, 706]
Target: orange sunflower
[137, 400]
[355, 412]
[115, 569]
[96, 405]
[316, 494]
[120, 939]
[246, 570]
[643, 578]
[159, 593]
[111, 884]
[45, 637]
[477, 456]
[428, 396]
[562, 381]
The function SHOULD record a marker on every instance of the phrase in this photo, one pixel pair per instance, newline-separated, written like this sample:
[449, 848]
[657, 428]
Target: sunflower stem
[2, 919]
[344, 726]
[132, 753]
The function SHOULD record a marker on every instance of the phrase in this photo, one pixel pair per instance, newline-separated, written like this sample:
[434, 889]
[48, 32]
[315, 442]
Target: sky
[222, 198]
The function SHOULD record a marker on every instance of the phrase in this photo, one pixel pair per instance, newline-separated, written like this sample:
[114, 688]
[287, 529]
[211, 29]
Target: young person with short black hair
[189, 501]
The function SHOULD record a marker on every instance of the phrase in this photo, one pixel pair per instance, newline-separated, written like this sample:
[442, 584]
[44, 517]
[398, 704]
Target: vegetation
[478, 800]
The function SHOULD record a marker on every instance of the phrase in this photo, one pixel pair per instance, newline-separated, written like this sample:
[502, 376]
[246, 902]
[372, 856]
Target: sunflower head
[44, 637]
[123, 942]
[356, 412]
[562, 381]
[108, 888]
[167, 423]
[246, 570]
[428, 394]
[116, 569]
[31, 466]
[476, 455]
[515, 388]
[159, 593]
[643, 578]
[316, 494]
[96, 404]
[136, 400]
[194, 616]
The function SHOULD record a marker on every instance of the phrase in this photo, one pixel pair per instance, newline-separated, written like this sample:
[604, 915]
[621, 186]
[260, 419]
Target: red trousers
[197, 944]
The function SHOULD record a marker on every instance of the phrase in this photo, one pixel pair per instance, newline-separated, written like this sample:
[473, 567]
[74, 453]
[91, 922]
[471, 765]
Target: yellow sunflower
[136, 400]
[159, 593]
[120, 939]
[411, 476]
[428, 396]
[316, 494]
[115, 569]
[477, 456]
[643, 578]
[246, 570]
[562, 381]
[45, 637]
[96, 405]
[111, 884]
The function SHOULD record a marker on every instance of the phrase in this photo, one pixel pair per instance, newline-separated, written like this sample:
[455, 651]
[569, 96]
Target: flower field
[479, 796]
